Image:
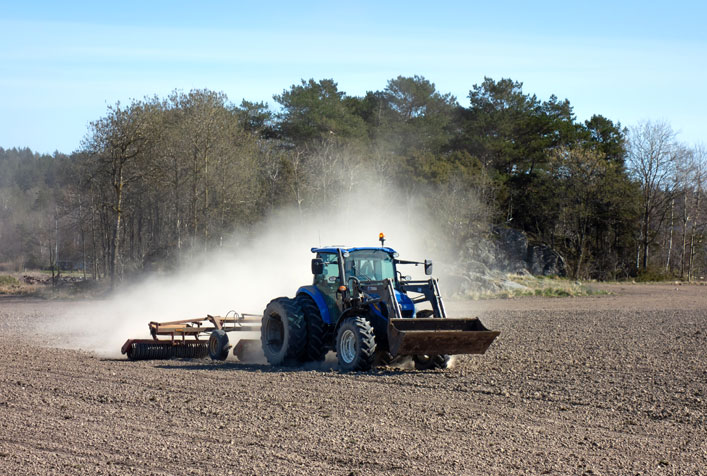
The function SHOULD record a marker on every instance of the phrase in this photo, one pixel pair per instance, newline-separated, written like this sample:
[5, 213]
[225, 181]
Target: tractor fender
[318, 298]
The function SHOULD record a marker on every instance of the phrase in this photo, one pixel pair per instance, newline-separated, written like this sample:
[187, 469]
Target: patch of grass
[7, 280]
[654, 275]
[555, 292]
[542, 286]
[35, 285]
[9, 284]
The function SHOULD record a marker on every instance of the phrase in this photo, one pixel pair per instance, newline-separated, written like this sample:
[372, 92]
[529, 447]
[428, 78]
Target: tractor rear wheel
[284, 332]
[316, 329]
[429, 362]
[218, 345]
[355, 344]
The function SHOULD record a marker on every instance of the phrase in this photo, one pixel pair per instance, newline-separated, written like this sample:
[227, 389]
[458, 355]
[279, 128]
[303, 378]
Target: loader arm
[430, 290]
[426, 336]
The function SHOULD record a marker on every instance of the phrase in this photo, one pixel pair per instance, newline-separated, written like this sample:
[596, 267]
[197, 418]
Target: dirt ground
[612, 384]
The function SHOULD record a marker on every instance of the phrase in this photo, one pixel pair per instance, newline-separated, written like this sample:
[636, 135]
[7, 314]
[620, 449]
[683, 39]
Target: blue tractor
[363, 308]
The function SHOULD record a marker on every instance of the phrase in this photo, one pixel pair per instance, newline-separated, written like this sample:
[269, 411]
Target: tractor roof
[336, 248]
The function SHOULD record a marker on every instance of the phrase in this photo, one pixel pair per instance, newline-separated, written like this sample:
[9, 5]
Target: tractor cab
[337, 270]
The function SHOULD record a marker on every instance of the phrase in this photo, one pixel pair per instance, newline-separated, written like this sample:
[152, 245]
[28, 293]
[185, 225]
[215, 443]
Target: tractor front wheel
[355, 344]
[429, 362]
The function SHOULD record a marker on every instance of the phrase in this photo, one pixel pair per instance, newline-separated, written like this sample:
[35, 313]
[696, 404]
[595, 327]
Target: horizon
[63, 65]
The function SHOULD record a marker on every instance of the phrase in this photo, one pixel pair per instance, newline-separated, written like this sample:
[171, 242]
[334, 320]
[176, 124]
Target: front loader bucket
[435, 336]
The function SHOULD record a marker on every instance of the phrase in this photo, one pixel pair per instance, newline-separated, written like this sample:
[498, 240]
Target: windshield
[370, 265]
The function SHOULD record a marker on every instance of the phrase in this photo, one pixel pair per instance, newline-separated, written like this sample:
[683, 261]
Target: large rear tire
[355, 344]
[316, 329]
[283, 335]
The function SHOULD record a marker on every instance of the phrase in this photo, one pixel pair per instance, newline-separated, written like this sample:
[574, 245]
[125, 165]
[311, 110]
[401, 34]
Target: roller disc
[163, 351]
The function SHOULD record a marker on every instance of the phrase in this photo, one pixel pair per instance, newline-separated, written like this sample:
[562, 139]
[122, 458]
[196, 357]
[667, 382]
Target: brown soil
[598, 385]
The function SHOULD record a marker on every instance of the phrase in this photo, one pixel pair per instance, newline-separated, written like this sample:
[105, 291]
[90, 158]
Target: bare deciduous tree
[652, 156]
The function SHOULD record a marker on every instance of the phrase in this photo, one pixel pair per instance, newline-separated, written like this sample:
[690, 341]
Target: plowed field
[611, 384]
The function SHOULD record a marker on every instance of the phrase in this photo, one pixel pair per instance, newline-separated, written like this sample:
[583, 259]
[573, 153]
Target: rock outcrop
[515, 254]
[485, 263]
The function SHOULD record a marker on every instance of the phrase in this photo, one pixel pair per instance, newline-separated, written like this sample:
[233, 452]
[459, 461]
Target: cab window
[331, 269]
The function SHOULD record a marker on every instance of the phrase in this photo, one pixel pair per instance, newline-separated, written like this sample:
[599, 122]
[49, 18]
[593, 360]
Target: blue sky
[63, 63]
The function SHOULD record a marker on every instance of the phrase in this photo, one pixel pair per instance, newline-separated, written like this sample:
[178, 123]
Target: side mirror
[428, 267]
[317, 266]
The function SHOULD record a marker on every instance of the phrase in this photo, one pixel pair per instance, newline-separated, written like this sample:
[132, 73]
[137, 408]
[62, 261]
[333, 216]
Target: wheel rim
[347, 346]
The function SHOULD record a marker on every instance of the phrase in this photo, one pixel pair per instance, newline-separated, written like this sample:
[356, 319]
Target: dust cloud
[244, 275]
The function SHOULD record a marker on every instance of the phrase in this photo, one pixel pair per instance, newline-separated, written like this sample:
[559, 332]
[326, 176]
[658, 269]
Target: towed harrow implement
[195, 338]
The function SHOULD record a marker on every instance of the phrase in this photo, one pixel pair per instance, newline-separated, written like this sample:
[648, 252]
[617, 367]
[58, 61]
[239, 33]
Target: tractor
[361, 306]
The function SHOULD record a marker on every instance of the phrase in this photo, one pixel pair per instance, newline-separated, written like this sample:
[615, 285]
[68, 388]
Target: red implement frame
[193, 332]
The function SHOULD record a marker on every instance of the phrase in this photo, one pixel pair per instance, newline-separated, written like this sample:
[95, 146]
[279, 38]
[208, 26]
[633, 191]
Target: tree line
[159, 180]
